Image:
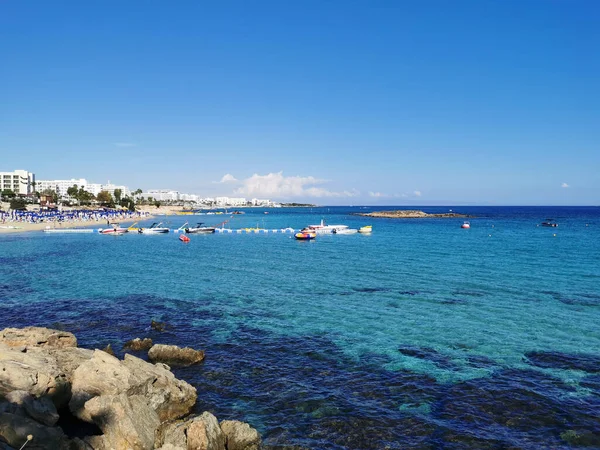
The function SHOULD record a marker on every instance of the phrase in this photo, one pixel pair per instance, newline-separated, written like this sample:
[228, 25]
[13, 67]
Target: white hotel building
[61, 186]
[21, 182]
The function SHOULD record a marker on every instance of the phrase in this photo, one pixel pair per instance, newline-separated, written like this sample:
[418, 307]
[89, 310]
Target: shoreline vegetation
[57, 395]
[411, 214]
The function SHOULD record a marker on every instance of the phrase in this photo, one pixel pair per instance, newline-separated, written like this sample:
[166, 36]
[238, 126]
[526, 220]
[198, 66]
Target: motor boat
[345, 231]
[305, 235]
[366, 229]
[466, 225]
[324, 229]
[549, 223]
[115, 230]
[155, 228]
[199, 229]
[184, 238]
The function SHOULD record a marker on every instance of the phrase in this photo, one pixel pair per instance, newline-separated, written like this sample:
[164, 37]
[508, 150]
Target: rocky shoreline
[56, 395]
[411, 214]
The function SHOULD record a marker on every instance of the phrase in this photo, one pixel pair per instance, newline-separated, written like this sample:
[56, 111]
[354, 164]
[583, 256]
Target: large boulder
[175, 356]
[106, 375]
[14, 430]
[37, 337]
[40, 409]
[240, 435]
[35, 371]
[69, 359]
[170, 397]
[204, 433]
[127, 422]
[195, 433]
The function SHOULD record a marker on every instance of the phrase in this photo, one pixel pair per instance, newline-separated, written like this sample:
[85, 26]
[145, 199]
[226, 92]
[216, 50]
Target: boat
[345, 231]
[324, 229]
[366, 229]
[155, 228]
[184, 238]
[466, 225]
[305, 235]
[199, 229]
[115, 230]
[549, 223]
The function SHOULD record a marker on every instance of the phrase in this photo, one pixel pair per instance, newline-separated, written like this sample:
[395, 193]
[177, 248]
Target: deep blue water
[421, 335]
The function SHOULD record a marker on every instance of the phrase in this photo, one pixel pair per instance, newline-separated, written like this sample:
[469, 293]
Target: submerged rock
[557, 360]
[138, 344]
[157, 326]
[175, 356]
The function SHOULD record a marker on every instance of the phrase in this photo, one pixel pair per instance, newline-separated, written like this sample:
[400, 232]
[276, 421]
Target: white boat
[155, 228]
[199, 229]
[115, 230]
[345, 231]
[325, 229]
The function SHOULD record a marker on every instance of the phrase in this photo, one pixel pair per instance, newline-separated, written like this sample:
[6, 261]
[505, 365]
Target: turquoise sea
[421, 335]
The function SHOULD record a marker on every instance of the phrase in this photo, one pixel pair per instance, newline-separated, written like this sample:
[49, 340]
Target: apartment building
[21, 182]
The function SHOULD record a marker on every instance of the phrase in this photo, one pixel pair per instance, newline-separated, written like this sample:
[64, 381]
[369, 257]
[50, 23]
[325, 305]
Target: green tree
[8, 193]
[104, 198]
[73, 191]
[157, 204]
[118, 193]
[18, 203]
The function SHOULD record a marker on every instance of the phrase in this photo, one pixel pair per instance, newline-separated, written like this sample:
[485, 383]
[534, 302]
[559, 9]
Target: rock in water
[204, 433]
[37, 337]
[138, 344]
[175, 356]
[240, 435]
[158, 326]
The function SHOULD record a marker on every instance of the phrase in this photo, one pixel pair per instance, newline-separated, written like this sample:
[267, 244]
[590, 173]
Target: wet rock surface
[174, 355]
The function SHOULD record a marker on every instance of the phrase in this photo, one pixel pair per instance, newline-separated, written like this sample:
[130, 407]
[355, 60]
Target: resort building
[21, 182]
[162, 195]
[61, 186]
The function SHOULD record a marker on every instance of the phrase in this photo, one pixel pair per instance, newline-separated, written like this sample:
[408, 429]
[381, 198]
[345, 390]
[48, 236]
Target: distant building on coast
[21, 182]
[61, 186]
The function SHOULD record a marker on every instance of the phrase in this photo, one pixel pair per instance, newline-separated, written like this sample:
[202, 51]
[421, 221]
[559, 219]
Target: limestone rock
[169, 397]
[203, 433]
[40, 409]
[15, 429]
[108, 349]
[69, 359]
[37, 337]
[240, 435]
[175, 356]
[138, 344]
[106, 375]
[34, 371]
[102, 374]
[172, 434]
[128, 422]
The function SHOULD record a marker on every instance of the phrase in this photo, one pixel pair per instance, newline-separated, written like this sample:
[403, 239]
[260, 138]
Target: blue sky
[330, 102]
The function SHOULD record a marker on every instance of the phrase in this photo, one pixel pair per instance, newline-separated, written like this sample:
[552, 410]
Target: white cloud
[276, 185]
[125, 144]
[228, 178]
[417, 193]
[565, 185]
[376, 194]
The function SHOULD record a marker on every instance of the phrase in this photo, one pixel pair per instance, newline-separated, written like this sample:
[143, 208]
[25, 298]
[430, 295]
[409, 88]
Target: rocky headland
[55, 395]
[411, 214]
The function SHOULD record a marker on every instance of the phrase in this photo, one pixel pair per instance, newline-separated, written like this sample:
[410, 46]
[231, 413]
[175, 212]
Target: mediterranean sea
[421, 335]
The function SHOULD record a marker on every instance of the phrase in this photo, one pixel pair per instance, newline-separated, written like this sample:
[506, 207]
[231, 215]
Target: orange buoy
[184, 238]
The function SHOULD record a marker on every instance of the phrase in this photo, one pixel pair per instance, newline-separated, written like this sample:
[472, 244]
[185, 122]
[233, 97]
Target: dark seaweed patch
[557, 360]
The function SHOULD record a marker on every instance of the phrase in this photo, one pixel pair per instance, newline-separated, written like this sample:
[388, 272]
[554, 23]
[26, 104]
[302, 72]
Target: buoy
[184, 238]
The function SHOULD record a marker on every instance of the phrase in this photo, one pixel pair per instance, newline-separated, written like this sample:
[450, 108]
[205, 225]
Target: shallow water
[421, 335]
